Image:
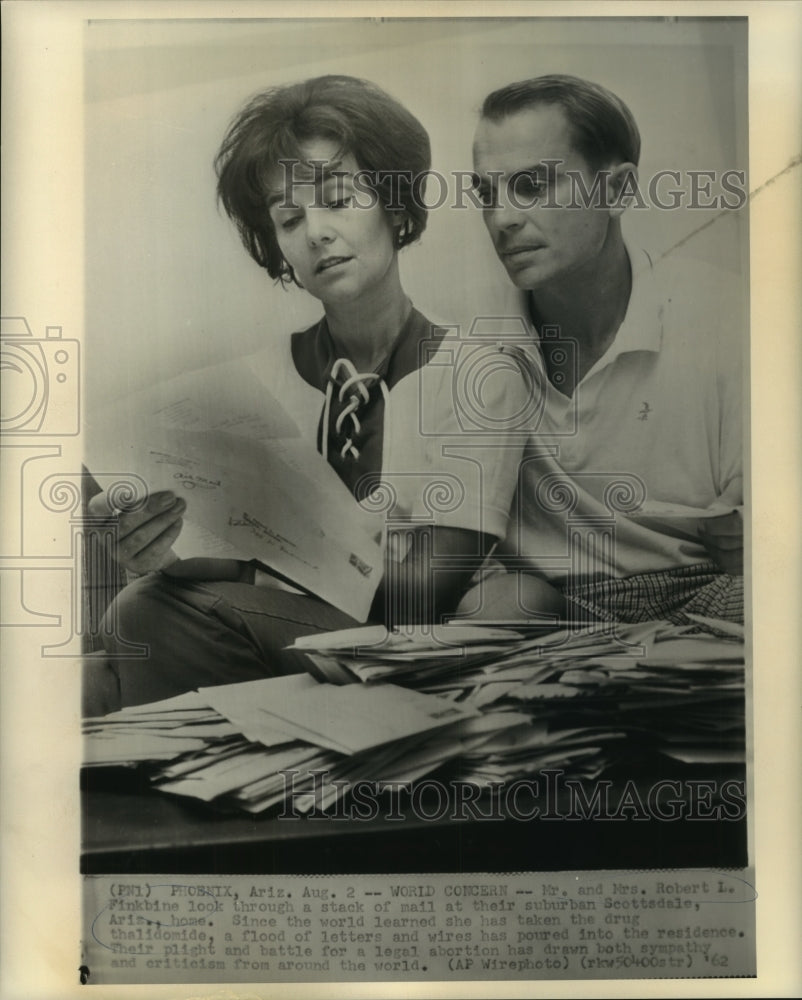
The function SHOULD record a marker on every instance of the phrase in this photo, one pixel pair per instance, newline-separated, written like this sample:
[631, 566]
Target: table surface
[129, 827]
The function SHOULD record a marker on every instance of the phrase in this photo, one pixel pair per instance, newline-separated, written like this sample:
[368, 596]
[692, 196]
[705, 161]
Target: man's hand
[723, 537]
[146, 535]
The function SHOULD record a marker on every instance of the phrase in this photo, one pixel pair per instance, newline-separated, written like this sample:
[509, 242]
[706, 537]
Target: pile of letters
[486, 704]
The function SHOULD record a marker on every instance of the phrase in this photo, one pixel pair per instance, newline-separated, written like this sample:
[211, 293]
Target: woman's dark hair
[358, 116]
[603, 127]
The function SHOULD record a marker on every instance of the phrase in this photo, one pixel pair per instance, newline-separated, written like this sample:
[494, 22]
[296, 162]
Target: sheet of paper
[730, 628]
[124, 748]
[356, 717]
[191, 702]
[408, 640]
[244, 705]
[254, 488]
[231, 775]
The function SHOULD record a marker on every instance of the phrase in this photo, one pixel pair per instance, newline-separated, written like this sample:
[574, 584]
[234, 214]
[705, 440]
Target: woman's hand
[145, 536]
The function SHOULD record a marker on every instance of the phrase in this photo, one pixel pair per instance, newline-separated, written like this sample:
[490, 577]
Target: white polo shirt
[657, 420]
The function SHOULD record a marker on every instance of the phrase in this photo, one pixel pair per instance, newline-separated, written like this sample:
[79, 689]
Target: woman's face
[339, 249]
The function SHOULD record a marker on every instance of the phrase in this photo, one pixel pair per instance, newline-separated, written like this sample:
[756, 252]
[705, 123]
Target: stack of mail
[590, 695]
[490, 704]
[250, 744]
[162, 730]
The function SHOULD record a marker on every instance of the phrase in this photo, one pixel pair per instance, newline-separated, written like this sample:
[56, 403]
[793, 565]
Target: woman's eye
[341, 203]
[290, 223]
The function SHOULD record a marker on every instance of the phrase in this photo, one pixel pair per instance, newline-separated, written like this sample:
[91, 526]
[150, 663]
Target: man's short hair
[359, 117]
[603, 127]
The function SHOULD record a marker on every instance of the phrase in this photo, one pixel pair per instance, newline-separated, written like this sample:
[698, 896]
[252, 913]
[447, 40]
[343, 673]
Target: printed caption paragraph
[564, 925]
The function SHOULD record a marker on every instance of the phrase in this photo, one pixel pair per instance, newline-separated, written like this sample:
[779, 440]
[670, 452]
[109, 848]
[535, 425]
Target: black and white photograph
[398, 482]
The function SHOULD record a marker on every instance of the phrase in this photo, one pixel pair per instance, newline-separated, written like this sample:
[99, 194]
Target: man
[630, 485]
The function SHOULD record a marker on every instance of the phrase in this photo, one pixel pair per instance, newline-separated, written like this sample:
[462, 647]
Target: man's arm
[723, 537]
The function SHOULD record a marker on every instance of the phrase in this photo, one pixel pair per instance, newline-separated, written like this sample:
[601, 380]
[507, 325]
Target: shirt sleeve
[731, 390]
[455, 439]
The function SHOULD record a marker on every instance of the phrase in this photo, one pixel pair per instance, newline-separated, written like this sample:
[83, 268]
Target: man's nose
[505, 215]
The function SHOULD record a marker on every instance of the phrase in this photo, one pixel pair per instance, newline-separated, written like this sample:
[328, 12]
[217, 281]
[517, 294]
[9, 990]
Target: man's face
[538, 245]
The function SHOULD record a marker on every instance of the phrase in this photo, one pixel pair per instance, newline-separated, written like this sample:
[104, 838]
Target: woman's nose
[318, 227]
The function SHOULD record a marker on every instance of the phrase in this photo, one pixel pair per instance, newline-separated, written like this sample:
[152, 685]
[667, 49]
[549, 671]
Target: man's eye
[527, 185]
[486, 196]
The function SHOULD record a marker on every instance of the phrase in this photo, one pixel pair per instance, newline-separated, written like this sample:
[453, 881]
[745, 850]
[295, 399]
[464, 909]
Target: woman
[323, 181]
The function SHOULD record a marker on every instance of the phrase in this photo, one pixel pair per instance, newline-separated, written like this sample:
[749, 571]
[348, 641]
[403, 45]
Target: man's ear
[624, 188]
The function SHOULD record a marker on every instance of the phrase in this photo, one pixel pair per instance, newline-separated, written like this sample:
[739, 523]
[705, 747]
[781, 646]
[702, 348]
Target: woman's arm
[428, 582]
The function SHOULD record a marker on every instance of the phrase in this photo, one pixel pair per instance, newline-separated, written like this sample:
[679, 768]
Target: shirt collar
[642, 326]
[314, 352]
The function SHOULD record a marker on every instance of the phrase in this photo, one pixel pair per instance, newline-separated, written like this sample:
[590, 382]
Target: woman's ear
[287, 275]
[400, 223]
